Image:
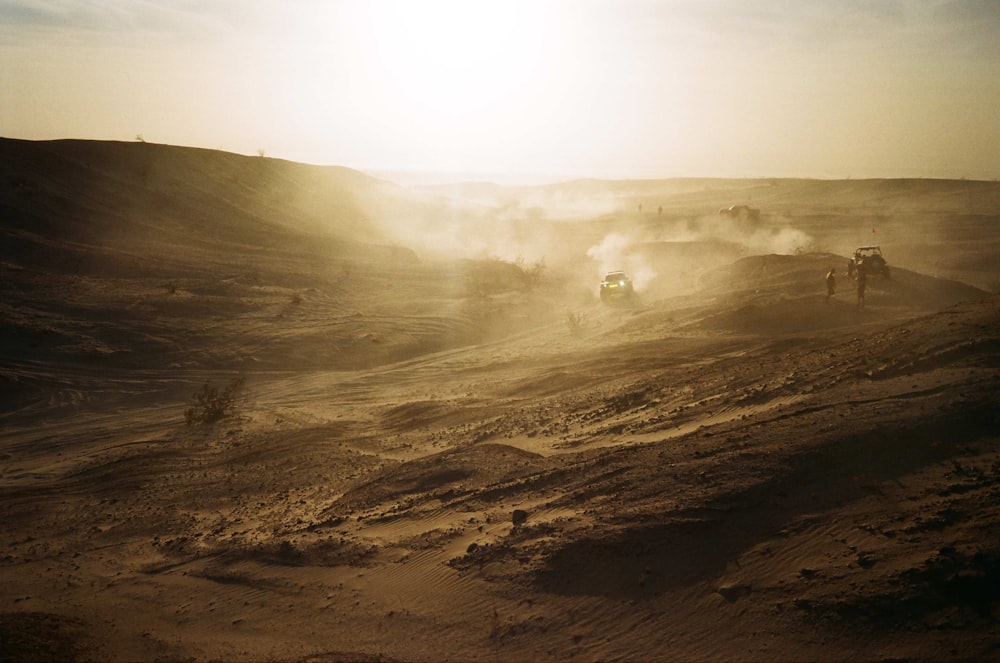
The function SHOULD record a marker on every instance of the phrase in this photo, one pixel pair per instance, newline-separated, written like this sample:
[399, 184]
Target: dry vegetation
[210, 404]
[442, 446]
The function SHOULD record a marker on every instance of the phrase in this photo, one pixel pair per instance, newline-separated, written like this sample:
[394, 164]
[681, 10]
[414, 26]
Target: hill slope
[179, 260]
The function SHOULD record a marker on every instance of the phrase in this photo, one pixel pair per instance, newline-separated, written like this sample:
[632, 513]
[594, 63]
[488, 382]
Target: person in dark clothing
[862, 283]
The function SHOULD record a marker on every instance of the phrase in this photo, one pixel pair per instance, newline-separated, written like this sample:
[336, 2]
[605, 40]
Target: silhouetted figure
[862, 282]
[831, 284]
[659, 211]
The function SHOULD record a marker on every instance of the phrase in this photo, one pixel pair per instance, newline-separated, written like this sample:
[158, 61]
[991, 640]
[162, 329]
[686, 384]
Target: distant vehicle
[741, 212]
[870, 260]
[616, 284]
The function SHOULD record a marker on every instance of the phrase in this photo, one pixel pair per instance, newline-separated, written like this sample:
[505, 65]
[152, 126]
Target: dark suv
[616, 284]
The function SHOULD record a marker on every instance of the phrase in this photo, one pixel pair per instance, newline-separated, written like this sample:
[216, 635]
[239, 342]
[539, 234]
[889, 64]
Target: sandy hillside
[441, 445]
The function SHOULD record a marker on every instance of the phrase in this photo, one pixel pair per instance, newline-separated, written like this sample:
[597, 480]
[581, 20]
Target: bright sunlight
[461, 75]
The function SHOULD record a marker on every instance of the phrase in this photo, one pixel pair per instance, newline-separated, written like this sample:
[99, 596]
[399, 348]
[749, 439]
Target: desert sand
[445, 447]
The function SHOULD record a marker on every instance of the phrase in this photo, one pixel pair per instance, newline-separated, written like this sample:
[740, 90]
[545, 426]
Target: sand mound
[778, 294]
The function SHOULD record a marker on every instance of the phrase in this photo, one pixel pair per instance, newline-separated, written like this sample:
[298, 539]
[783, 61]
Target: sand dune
[447, 448]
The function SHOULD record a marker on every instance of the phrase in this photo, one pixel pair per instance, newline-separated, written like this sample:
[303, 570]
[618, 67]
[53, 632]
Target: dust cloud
[558, 205]
[581, 231]
[669, 257]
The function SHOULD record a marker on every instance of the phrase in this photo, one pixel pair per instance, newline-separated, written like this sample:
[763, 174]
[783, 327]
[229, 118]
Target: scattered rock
[519, 516]
[734, 591]
[864, 561]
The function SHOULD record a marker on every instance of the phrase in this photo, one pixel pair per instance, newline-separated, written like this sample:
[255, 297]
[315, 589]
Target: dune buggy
[868, 259]
[741, 212]
[616, 284]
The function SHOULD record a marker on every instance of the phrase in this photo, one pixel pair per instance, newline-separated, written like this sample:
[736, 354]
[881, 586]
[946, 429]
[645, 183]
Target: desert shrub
[574, 322]
[531, 274]
[492, 276]
[209, 404]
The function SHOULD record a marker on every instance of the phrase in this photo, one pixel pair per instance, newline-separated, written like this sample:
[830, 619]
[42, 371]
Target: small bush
[493, 276]
[574, 322]
[531, 274]
[209, 405]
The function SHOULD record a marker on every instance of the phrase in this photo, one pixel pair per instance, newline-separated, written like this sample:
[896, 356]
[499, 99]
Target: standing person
[862, 282]
[831, 283]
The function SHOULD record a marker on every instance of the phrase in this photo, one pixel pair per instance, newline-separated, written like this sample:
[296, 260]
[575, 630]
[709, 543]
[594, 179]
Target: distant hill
[64, 201]
[777, 195]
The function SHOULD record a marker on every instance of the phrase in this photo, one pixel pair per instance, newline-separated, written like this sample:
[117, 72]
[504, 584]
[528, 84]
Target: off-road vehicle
[741, 212]
[868, 259]
[616, 284]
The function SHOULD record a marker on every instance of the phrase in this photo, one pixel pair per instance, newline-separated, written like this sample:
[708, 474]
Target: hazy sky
[605, 88]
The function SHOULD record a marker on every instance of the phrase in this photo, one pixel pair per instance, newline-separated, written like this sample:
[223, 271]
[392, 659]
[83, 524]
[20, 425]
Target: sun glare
[454, 70]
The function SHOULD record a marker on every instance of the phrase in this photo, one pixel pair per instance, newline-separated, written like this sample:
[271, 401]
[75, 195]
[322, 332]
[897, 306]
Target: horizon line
[436, 176]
